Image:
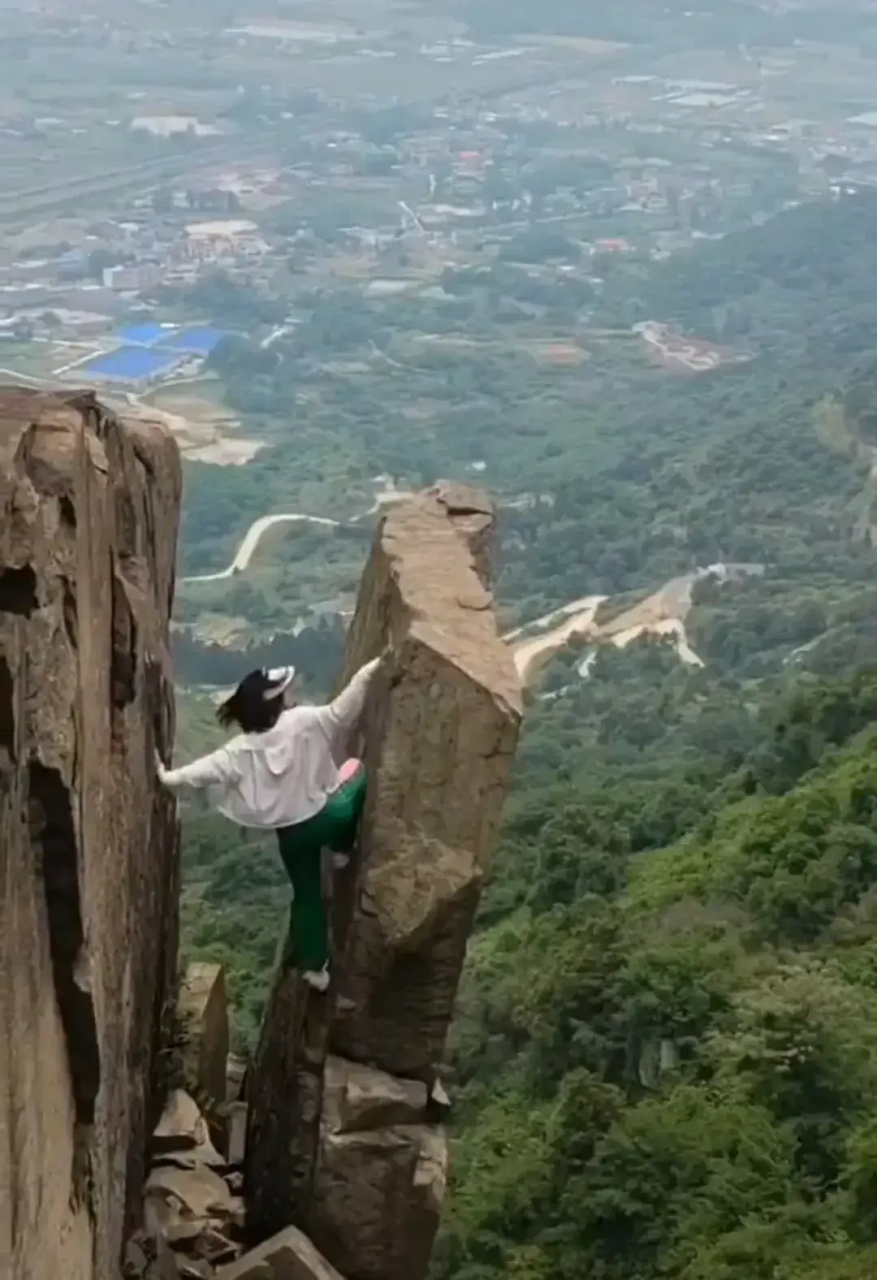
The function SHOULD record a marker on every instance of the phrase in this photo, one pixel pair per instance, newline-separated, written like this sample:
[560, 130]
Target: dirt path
[662, 614]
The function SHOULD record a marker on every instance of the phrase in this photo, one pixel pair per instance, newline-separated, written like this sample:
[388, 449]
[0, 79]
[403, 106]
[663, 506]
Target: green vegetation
[666, 1059]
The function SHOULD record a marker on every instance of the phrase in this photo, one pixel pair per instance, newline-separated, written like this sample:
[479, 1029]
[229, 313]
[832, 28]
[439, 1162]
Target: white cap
[280, 678]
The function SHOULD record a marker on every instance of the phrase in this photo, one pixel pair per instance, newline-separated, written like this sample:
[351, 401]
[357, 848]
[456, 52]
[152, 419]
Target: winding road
[253, 537]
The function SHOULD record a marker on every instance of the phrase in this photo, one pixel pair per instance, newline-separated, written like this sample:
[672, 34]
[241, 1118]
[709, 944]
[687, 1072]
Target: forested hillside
[665, 1060]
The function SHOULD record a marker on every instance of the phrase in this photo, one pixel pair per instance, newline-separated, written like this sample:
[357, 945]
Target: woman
[280, 773]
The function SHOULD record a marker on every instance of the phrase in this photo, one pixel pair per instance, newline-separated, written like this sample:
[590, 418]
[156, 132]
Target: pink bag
[348, 770]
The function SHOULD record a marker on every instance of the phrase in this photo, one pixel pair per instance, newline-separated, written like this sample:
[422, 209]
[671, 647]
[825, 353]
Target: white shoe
[340, 861]
[317, 978]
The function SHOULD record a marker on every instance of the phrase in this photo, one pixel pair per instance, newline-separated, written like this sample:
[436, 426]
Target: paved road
[253, 537]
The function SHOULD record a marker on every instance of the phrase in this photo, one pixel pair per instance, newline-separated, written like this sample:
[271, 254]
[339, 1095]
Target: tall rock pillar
[440, 730]
[89, 508]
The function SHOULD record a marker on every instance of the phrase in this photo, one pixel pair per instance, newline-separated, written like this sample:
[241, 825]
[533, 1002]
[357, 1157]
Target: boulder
[359, 1097]
[201, 1192]
[289, 1255]
[181, 1127]
[203, 1012]
[89, 507]
[378, 1191]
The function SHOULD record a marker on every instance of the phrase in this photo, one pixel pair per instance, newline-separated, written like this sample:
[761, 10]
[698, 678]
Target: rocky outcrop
[202, 1011]
[353, 1153]
[88, 843]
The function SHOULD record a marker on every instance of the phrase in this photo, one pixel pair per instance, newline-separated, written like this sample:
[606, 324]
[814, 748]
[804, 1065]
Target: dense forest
[665, 1057]
[665, 1046]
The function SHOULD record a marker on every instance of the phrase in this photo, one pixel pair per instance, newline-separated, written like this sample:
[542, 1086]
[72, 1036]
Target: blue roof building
[143, 335]
[131, 364]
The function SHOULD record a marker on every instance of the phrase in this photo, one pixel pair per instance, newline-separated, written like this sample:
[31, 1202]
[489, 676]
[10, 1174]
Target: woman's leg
[307, 945]
[343, 812]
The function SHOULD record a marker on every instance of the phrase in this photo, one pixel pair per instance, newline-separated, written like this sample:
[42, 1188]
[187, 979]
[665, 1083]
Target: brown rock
[88, 522]
[202, 1193]
[440, 749]
[161, 1212]
[181, 1127]
[441, 727]
[179, 1234]
[358, 1097]
[203, 1010]
[377, 1200]
[135, 1261]
[283, 1119]
[472, 514]
[287, 1256]
[214, 1247]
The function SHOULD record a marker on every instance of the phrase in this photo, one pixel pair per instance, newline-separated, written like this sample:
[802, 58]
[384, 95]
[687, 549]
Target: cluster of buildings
[598, 157]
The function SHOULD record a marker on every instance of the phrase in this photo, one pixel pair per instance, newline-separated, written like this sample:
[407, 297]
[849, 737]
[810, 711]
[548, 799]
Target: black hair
[248, 707]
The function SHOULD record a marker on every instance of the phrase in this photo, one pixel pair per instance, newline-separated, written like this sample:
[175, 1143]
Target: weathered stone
[377, 1199]
[165, 1265]
[181, 1127]
[472, 514]
[88, 521]
[440, 730]
[205, 1154]
[183, 1232]
[287, 1256]
[214, 1247]
[202, 1192]
[284, 1104]
[358, 1097]
[203, 1011]
[135, 1261]
[441, 741]
[161, 1212]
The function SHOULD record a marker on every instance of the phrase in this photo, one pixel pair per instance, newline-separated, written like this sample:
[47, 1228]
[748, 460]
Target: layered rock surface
[89, 509]
[352, 1153]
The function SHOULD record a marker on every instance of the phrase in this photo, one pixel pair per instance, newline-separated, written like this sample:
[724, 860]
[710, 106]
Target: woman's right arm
[216, 769]
[344, 711]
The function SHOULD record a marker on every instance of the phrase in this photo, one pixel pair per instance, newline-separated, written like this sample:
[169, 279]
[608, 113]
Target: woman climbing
[280, 773]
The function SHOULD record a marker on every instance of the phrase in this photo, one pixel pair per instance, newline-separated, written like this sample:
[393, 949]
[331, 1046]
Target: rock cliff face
[344, 1137]
[88, 844]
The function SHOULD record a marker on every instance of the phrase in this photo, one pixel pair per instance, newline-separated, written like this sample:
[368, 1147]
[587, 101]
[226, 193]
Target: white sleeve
[344, 711]
[217, 769]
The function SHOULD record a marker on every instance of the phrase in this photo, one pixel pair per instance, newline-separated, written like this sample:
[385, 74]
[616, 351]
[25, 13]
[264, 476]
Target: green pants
[301, 847]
